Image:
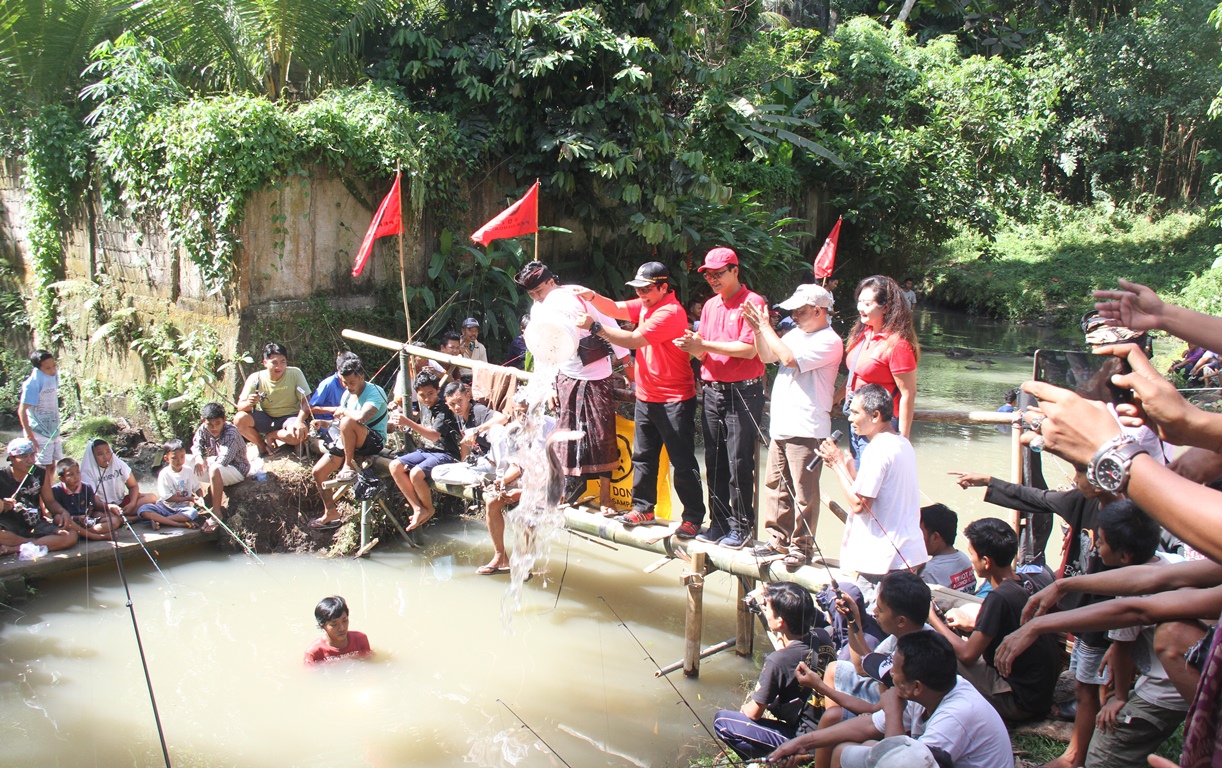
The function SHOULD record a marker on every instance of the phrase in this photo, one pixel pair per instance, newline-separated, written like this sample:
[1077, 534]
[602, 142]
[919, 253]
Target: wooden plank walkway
[94, 553]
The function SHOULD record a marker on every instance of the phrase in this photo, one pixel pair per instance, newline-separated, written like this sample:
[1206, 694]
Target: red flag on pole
[521, 218]
[387, 221]
[826, 260]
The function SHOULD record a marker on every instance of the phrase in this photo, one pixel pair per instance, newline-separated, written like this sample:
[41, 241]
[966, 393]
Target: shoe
[687, 530]
[733, 540]
[769, 550]
[637, 517]
[713, 535]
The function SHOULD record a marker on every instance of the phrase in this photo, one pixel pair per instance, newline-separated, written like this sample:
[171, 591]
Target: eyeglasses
[710, 275]
[643, 289]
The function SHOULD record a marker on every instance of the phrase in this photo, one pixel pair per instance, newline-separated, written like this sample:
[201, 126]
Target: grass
[89, 428]
[1046, 270]
[1042, 749]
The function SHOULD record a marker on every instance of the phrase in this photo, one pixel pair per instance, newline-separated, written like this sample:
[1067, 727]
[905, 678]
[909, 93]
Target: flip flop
[492, 570]
[330, 525]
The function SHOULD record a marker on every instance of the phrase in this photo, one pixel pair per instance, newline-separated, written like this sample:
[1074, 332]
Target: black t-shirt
[778, 689]
[30, 491]
[479, 415]
[442, 419]
[79, 504]
[1034, 673]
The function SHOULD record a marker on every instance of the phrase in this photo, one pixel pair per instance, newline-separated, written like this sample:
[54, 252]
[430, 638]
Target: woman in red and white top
[883, 349]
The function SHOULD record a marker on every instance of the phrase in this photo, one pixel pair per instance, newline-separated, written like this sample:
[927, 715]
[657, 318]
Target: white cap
[809, 295]
[893, 752]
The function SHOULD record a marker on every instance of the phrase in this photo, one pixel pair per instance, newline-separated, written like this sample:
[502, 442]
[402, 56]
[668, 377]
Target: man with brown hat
[666, 394]
[732, 376]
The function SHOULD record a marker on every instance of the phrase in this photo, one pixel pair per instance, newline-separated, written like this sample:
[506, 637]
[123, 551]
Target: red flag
[826, 260]
[521, 218]
[387, 221]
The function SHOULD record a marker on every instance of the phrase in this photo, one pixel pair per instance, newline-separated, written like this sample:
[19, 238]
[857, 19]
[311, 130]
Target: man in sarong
[584, 389]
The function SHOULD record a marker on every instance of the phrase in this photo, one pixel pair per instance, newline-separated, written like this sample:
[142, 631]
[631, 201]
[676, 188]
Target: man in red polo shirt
[732, 375]
[665, 393]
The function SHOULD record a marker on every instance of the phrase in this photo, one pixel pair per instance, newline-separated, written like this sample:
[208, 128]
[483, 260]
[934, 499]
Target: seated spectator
[1027, 692]
[902, 607]
[74, 506]
[273, 403]
[358, 428]
[178, 489]
[219, 454]
[112, 479]
[450, 344]
[947, 566]
[927, 701]
[519, 355]
[790, 613]
[469, 346]
[337, 642]
[439, 434]
[24, 493]
[330, 391]
[884, 525]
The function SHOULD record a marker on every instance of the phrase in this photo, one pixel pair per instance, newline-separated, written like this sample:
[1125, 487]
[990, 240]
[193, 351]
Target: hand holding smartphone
[1087, 374]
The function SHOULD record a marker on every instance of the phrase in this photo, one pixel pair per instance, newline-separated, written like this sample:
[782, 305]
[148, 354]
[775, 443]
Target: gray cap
[809, 295]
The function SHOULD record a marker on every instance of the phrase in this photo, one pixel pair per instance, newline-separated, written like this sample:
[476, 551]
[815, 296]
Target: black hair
[1012, 396]
[330, 609]
[1129, 530]
[906, 595]
[274, 348]
[793, 604]
[63, 465]
[342, 356]
[929, 659]
[447, 337]
[873, 399]
[942, 520]
[352, 367]
[172, 445]
[994, 539]
[941, 757]
[212, 411]
[40, 356]
[426, 379]
[95, 442]
[453, 387]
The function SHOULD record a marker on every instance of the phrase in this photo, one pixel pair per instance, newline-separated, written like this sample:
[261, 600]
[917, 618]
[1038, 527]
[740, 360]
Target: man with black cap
[584, 389]
[732, 376]
[665, 391]
[470, 345]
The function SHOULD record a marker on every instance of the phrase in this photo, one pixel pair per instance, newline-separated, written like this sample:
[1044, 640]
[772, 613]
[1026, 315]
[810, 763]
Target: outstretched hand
[1073, 427]
[1015, 644]
[970, 479]
[1133, 306]
[1041, 602]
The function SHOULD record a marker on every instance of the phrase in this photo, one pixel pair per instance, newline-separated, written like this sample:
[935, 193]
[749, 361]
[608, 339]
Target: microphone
[815, 462]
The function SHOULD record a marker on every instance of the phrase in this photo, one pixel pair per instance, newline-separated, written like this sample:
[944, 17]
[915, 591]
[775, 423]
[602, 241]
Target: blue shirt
[329, 394]
[372, 393]
[41, 393]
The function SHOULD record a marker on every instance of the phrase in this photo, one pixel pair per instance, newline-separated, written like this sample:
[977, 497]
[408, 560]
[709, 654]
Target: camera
[754, 601]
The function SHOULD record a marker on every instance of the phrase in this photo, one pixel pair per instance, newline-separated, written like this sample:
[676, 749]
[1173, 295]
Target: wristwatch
[1109, 469]
[596, 327]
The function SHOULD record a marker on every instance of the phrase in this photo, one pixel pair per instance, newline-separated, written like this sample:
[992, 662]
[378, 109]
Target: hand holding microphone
[818, 459]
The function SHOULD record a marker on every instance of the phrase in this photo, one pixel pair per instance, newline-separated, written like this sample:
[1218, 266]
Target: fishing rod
[27, 474]
[536, 733]
[679, 693]
[229, 530]
[101, 491]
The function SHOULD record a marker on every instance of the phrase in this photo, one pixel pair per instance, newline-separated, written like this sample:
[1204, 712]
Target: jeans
[672, 425]
[731, 440]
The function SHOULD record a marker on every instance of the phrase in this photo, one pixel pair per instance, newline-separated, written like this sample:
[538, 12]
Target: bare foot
[6, 549]
[209, 525]
[1064, 761]
[420, 516]
[156, 525]
[608, 510]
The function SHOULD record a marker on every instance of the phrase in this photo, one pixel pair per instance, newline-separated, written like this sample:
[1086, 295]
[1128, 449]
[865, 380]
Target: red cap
[718, 258]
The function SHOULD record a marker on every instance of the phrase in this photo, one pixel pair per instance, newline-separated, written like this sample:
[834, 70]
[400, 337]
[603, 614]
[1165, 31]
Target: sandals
[324, 525]
[492, 570]
[795, 559]
[345, 476]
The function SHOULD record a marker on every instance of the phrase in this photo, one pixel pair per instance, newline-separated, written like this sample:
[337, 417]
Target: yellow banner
[621, 476]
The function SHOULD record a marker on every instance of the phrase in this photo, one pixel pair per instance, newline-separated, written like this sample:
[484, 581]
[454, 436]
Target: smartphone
[1087, 374]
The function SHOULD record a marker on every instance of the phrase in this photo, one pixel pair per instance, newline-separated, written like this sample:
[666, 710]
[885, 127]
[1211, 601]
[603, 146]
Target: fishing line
[152, 560]
[670, 682]
[536, 733]
[430, 318]
[563, 573]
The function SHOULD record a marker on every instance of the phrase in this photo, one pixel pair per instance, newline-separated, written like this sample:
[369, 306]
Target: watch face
[1109, 474]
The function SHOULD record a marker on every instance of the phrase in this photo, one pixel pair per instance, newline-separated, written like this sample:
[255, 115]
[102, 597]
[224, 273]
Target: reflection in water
[225, 644]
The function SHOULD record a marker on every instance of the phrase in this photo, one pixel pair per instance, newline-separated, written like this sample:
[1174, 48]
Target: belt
[725, 386]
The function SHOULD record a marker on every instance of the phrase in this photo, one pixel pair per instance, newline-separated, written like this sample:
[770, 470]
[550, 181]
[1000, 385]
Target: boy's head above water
[331, 613]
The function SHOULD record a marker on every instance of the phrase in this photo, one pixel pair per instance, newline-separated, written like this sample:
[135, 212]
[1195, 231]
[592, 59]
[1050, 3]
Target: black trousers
[672, 425]
[731, 442]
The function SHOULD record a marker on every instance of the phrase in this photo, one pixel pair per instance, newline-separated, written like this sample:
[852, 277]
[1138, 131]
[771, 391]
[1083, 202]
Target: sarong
[588, 406]
[1202, 738]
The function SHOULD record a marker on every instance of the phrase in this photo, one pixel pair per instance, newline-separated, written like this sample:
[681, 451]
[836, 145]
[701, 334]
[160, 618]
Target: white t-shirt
[110, 483]
[802, 396]
[964, 724]
[1153, 685]
[567, 304]
[171, 483]
[910, 297]
[887, 473]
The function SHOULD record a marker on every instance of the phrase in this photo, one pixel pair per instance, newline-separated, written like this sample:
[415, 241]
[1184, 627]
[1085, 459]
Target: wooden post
[745, 644]
[694, 621]
[1016, 472]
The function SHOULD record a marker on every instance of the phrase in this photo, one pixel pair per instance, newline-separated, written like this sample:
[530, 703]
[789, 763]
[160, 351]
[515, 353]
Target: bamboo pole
[693, 622]
[745, 640]
[724, 645]
[964, 417]
[1016, 472]
[431, 354]
[407, 314]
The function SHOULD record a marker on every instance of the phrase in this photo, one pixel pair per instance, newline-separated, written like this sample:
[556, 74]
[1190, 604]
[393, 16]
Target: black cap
[878, 666]
[650, 273]
[531, 276]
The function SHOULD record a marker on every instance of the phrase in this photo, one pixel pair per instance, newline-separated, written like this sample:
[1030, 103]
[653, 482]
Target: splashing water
[537, 517]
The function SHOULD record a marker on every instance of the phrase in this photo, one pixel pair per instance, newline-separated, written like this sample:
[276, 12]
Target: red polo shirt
[878, 358]
[722, 320]
[663, 373]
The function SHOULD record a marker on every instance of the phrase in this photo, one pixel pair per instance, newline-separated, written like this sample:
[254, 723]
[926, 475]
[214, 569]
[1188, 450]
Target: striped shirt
[229, 449]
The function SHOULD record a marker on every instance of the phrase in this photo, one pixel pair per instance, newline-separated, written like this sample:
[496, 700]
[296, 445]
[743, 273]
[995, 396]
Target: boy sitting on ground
[1027, 692]
[337, 642]
[178, 488]
[947, 566]
[928, 701]
[219, 453]
[112, 479]
[790, 613]
[74, 505]
[23, 497]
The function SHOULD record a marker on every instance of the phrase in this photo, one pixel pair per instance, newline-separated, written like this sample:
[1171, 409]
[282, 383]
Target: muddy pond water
[224, 636]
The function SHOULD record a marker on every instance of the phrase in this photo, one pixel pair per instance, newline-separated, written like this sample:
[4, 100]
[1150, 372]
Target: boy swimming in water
[338, 642]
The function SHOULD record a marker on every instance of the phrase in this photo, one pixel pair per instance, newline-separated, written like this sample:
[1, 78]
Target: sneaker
[733, 540]
[713, 535]
[637, 517]
[687, 530]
